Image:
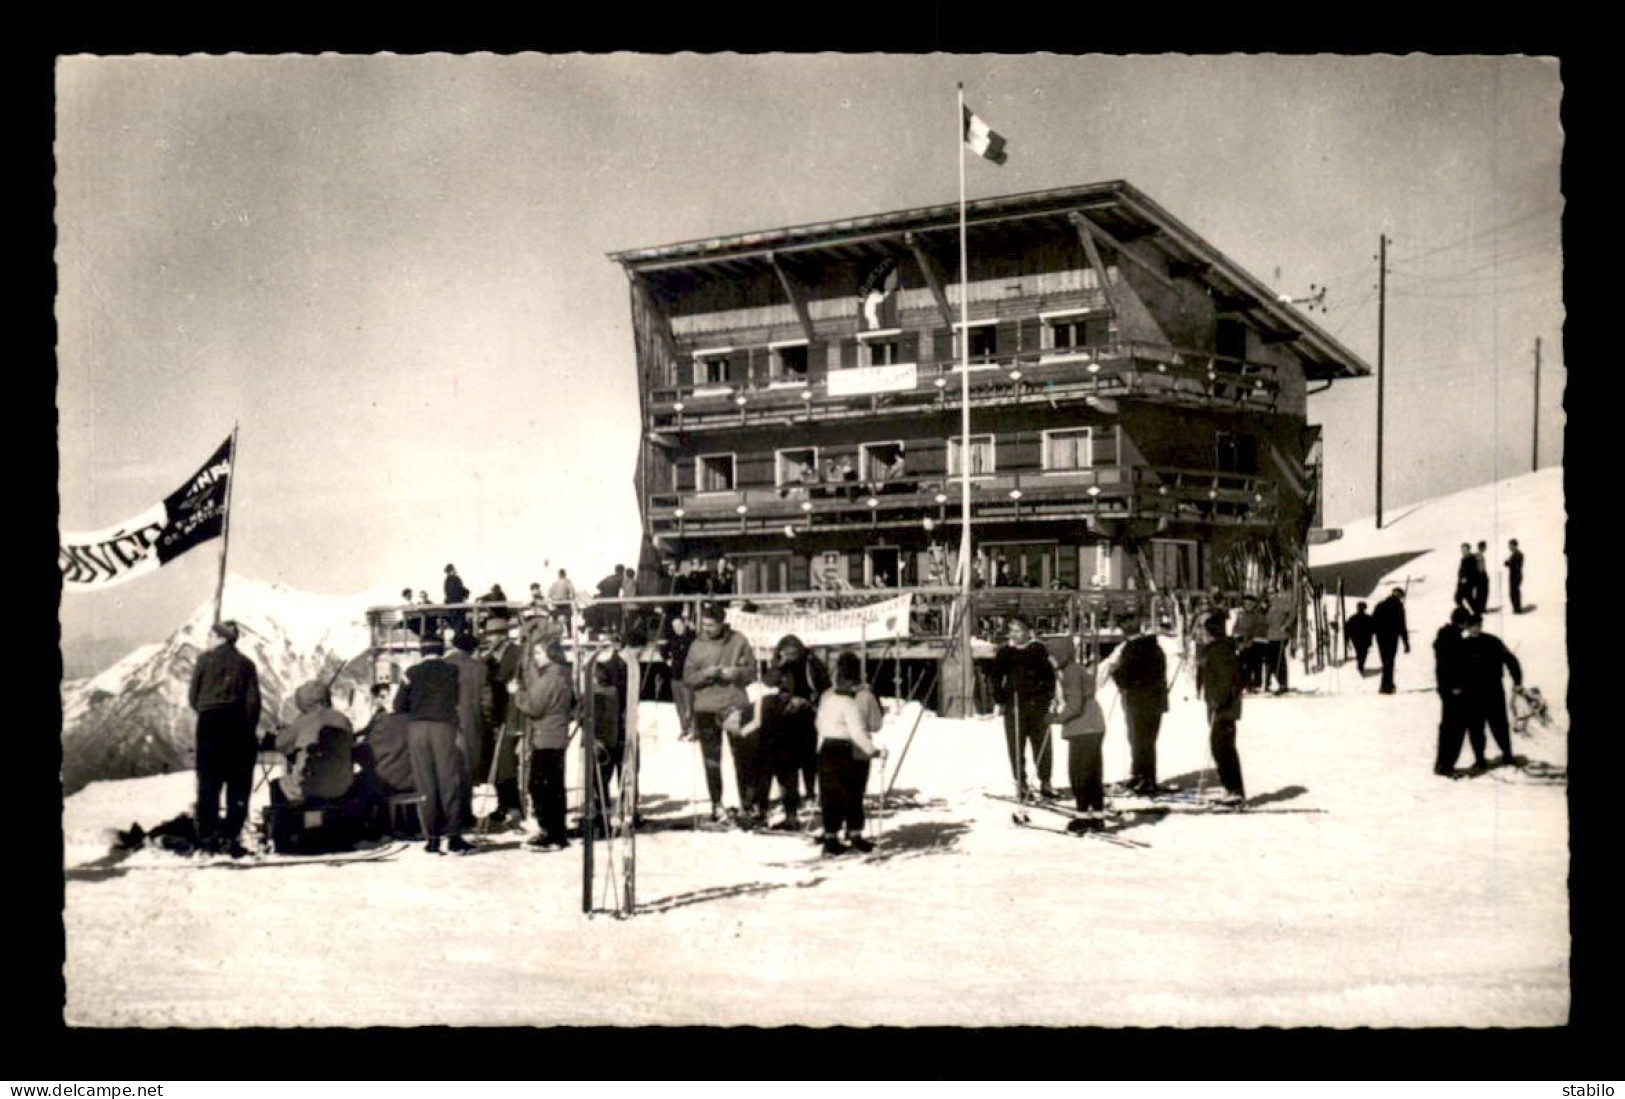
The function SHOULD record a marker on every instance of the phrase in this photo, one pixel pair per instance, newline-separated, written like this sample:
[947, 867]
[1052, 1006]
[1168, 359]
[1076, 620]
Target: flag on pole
[187, 517]
[982, 140]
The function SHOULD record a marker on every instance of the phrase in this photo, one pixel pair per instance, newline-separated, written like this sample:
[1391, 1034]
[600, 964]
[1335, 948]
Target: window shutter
[1005, 334]
[1104, 444]
[908, 349]
[1029, 333]
[854, 569]
[849, 354]
[942, 345]
[817, 361]
[739, 366]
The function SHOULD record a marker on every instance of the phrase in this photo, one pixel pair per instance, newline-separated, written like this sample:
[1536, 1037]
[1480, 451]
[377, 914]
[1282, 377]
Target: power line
[1478, 233]
[1482, 292]
[1492, 264]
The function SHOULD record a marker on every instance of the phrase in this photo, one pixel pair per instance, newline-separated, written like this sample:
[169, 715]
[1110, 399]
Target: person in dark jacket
[225, 694]
[1358, 631]
[1024, 687]
[1083, 726]
[803, 681]
[1483, 657]
[1466, 578]
[679, 636]
[1141, 675]
[1514, 565]
[1450, 681]
[501, 655]
[608, 710]
[1481, 594]
[1219, 681]
[473, 741]
[429, 697]
[456, 592]
[1388, 624]
[318, 745]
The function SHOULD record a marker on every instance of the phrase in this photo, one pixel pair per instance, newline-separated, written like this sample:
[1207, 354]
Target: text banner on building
[872, 379]
[882, 621]
[189, 516]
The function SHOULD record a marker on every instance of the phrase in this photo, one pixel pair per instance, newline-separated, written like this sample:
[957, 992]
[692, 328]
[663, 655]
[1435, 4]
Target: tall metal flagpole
[967, 666]
[225, 526]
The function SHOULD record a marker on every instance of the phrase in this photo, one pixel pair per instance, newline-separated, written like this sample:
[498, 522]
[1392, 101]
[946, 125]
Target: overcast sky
[392, 272]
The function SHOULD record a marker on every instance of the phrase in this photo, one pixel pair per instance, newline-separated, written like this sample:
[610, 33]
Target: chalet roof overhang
[1120, 211]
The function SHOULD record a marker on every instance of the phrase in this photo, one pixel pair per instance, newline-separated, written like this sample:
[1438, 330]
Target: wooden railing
[1131, 369]
[1124, 491]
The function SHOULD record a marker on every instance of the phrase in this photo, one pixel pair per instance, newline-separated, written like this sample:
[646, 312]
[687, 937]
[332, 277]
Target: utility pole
[1382, 317]
[1534, 460]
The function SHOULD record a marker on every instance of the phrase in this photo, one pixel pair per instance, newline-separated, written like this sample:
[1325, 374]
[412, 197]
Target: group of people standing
[1044, 685]
[1473, 578]
[793, 725]
[1468, 672]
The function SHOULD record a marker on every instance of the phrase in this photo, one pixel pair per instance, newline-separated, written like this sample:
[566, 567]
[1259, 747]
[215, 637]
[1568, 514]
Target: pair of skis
[1022, 817]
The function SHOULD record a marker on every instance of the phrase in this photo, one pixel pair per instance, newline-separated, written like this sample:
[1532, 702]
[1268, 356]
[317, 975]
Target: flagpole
[966, 665]
[225, 526]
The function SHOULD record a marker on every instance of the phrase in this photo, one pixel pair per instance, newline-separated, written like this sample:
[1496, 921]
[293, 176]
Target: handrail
[1113, 358]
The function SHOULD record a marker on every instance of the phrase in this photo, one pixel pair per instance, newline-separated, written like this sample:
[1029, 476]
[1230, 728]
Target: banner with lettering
[187, 517]
[882, 621]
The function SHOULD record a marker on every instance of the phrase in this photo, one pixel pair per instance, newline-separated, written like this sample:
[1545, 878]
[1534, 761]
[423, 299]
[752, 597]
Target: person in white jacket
[845, 747]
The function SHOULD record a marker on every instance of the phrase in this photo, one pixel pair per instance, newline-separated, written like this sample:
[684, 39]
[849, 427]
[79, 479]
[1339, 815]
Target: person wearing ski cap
[225, 694]
[845, 748]
[1388, 624]
[1451, 684]
[1023, 688]
[1219, 681]
[318, 744]
[1083, 727]
[1141, 675]
[1483, 656]
[719, 664]
[429, 697]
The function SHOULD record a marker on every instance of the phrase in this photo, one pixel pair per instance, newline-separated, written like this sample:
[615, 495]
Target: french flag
[982, 140]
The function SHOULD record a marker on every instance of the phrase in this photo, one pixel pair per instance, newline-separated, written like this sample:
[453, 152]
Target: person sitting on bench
[317, 745]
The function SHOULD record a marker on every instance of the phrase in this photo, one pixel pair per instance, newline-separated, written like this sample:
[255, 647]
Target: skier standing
[1483, 657]
[1250, 643]
[1219, 681]
[548, 699]
[1279, 620]
[1388, 623]
[1514, 564]
[1451, 684]
[1083, 727]
[1141, 675]
[844, 751]
[1023, 687]
[225, 693]
[429, 696]
[1357, 631]
[719, 664]
[804, 679]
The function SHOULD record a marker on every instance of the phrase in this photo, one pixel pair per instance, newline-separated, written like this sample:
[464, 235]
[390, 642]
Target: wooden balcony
[1122, 492]
[1121, 370]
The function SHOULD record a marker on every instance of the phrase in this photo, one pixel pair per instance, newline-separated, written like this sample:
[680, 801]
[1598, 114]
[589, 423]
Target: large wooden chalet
[1138, 401]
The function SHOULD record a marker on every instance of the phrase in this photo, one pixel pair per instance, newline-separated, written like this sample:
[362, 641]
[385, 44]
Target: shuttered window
[1069, 449]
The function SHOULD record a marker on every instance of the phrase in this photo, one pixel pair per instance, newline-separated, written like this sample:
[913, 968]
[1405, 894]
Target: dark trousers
[439, 774]
[708, 730]
[226, 751]
[1144, 719]
[842, 778]
[1083, 767]
[547, 790]
[1275, 662]
[1252, 664]
[1489, 707]
[609, 765]
[1481, 596]
[1515, 591]
[753, 771]
[779, 744]
[1452, 728]
[1221, 741]
[682, 696]
[1362, 649]
[1387, 649]
[1026, 725]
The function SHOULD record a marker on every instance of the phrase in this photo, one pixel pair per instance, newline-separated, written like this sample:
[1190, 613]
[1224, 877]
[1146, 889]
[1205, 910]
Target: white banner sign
[871, 379]
[881, 621]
